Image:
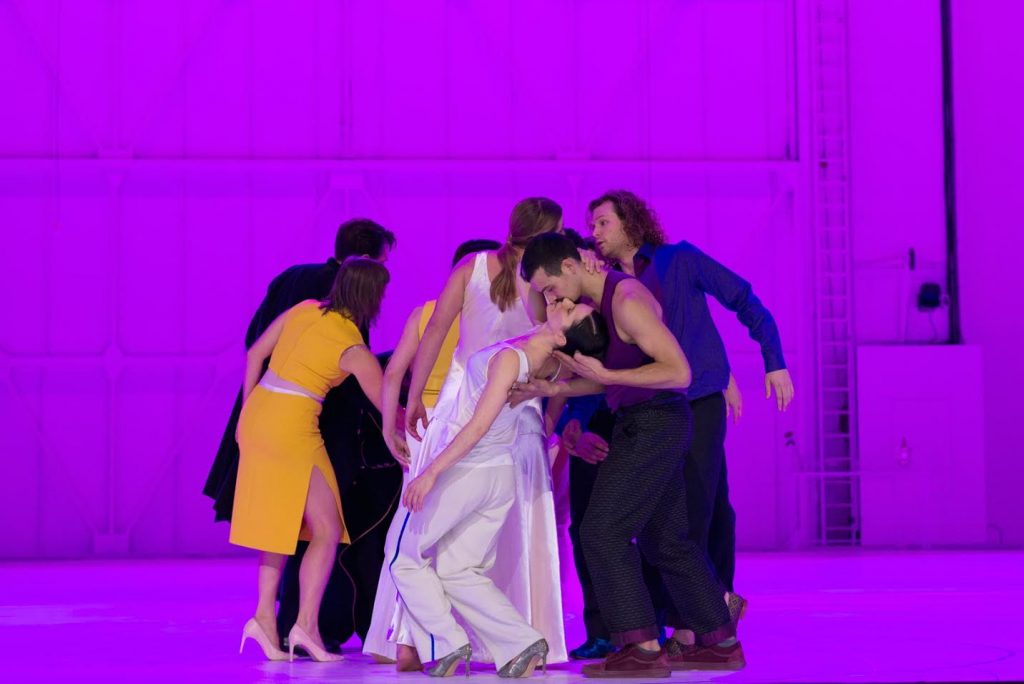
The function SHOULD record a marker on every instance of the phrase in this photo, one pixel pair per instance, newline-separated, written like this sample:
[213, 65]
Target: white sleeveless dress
[526, 569]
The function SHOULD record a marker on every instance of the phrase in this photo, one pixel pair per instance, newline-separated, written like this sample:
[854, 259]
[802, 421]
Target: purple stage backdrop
[161, 162]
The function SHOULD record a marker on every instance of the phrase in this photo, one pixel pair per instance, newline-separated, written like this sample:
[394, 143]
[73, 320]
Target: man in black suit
[369, 479]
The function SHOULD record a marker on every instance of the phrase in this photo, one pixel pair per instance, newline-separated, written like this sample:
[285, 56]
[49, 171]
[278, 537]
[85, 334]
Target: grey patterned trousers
[639, 499]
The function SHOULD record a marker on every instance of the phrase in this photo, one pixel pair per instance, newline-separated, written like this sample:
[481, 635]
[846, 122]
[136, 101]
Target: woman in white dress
[487, 295]
[464, 487]
[376, 643]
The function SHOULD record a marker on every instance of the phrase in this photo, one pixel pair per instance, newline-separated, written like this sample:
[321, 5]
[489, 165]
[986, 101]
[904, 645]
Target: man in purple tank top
[639, 492]
[627, 232]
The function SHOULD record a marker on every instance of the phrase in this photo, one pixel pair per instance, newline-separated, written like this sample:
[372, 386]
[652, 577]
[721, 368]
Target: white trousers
[376, 641]
[383, 621]
[442, 557]
[526, 568]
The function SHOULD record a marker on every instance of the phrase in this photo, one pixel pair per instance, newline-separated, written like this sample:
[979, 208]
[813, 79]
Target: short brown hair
[638, 219]
[361, 236]
[358, 290]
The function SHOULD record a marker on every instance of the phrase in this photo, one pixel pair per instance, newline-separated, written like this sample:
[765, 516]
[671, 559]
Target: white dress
[526, 567]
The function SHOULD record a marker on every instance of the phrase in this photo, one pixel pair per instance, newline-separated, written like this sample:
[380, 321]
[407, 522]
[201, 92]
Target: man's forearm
[762, 328]
[578, 387]
[651, 376]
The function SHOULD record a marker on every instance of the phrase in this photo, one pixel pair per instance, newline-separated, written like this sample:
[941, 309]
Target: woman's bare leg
[323, 521]
[271, 565]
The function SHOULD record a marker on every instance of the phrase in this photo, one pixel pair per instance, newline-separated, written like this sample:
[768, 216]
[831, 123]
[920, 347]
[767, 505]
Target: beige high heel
[297, 637]
[252, 630]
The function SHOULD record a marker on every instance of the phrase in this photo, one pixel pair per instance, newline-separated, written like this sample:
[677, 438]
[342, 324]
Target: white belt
[296, 393]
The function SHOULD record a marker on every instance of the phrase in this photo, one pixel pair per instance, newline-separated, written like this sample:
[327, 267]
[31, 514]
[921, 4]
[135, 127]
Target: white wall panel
[166, 161]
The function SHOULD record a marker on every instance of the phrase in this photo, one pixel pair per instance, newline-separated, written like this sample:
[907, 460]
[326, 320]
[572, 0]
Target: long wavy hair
[532, 216]
[638, 219]
[358, 290]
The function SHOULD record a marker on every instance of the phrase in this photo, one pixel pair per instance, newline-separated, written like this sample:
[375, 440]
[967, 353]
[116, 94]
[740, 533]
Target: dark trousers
[581, 483]
[712, 518]
[640, 494]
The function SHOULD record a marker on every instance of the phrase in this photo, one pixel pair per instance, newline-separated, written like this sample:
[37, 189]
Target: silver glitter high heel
[526, 662]
[446, 666]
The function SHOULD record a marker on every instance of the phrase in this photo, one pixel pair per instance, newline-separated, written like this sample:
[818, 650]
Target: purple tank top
[621, 354]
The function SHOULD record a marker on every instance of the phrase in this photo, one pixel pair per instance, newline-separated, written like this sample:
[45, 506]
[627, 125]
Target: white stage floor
[814, 617]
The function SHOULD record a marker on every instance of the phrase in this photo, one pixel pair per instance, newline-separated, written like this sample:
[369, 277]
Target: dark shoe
[630, 662]
[683, 657]
[592, 649]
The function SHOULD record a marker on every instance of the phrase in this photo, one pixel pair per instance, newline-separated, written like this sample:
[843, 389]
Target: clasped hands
[583, 366]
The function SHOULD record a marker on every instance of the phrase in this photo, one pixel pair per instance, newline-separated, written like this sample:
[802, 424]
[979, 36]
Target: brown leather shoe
[630, 662]
[683, 657]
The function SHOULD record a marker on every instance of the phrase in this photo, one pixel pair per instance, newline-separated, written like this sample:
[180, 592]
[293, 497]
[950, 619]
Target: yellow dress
[279, 436]
[444, 358]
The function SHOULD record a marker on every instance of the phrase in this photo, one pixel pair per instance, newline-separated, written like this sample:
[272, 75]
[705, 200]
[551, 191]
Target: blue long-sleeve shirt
[681, 279]
[579, 408]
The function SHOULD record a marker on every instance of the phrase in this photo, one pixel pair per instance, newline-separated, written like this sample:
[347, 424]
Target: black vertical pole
[949, 167]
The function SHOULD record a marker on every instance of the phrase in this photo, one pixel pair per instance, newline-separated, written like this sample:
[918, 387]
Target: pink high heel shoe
[252, 630]
[298, 638]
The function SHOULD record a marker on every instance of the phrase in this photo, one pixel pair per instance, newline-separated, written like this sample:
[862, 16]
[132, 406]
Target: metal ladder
[837, 468]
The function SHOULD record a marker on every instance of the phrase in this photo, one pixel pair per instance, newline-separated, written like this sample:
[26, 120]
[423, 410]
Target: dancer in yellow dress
[286, 487]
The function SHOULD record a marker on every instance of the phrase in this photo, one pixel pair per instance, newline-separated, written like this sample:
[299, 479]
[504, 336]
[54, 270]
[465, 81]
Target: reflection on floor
[821, 617]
